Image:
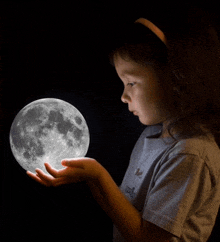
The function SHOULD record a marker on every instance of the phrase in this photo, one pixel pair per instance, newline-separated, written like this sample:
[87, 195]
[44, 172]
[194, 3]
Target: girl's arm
[123, 214]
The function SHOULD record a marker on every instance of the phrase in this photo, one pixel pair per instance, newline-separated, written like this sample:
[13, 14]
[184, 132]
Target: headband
[153, 28]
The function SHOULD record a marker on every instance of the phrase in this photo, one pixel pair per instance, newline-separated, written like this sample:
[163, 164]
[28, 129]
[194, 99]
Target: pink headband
[153, 28]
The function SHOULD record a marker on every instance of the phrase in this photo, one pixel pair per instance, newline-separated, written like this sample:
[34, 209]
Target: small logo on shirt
[138, 172]
[130, 191]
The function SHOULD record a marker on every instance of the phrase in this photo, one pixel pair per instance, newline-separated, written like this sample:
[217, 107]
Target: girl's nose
[125, 98]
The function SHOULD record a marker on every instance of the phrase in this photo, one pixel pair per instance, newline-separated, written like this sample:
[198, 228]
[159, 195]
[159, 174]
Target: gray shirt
[174, 184]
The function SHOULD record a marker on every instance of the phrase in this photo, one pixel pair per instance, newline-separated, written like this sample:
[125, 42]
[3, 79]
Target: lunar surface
[48, 130]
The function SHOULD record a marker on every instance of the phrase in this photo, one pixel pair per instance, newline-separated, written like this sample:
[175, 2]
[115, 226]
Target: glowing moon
[48, 130]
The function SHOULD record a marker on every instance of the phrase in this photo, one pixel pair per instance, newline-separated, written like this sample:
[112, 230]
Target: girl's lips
[135, 113]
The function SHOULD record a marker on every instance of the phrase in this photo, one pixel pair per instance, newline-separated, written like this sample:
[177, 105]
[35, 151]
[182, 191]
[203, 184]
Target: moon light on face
[48, 130]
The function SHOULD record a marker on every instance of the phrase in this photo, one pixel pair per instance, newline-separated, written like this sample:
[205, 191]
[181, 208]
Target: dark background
[59, 49]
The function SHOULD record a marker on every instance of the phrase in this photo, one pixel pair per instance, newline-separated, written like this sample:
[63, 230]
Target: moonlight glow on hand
[48, 130]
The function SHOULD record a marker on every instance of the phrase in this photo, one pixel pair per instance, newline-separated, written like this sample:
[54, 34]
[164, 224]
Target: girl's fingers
[50, 170]
[46, 180]
[44, 177]
[35, 177]
[73, 163]
[56, 175]
[76, 162]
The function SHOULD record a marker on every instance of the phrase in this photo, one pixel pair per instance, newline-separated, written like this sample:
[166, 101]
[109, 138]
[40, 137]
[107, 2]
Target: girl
[171, 189]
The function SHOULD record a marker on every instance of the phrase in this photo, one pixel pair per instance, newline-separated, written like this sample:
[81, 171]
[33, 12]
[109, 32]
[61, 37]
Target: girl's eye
[131, 84]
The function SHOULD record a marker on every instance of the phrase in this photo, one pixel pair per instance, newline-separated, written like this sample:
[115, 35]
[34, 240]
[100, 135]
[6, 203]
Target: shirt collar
[154, 130]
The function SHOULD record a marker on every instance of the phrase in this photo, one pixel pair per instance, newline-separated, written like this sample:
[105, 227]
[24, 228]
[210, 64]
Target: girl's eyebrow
[129, 72]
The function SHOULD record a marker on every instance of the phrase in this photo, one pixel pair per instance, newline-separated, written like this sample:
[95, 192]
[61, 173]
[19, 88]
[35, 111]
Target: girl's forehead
[125, 63]
[129, 67]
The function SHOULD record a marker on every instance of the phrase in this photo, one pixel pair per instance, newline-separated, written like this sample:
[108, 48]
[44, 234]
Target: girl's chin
[144, 122]
[147, 122]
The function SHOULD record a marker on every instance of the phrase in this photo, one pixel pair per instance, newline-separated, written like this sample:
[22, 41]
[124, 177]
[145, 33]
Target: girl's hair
[188, 71]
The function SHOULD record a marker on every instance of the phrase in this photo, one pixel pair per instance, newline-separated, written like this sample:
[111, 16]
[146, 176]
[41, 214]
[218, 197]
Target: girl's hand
[77, 170]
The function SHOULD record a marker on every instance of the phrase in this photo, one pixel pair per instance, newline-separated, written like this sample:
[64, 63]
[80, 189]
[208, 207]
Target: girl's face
[141, 91]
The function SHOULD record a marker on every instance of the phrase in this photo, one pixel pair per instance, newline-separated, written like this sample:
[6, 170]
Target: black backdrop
[59, 50]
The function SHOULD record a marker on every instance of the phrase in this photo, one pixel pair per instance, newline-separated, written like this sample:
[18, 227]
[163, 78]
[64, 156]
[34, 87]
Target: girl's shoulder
[205, 148]
[201, 146]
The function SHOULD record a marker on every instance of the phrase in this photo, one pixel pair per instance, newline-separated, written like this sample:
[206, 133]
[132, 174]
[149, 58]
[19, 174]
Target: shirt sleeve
[177, 190]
